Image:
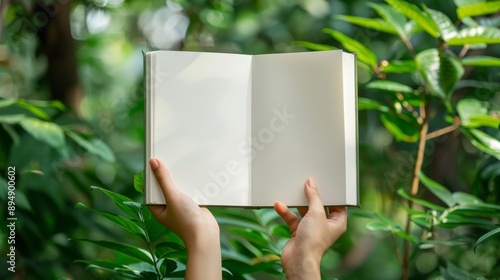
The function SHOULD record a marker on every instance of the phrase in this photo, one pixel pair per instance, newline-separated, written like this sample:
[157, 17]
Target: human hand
[195, 225]
[311, 236]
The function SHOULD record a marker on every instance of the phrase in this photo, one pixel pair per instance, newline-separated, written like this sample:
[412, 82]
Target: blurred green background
[79, 65]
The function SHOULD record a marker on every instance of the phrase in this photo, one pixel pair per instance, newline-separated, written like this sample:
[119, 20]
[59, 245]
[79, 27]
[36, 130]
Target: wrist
[204, 258]
[203, 241]
[303, 267]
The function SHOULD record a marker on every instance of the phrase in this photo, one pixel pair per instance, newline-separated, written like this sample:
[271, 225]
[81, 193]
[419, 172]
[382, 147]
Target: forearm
[204, 260]
[305, 268]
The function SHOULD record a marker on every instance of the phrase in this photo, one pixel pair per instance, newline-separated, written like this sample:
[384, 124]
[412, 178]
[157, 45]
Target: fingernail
[310, 183]
[154, 164]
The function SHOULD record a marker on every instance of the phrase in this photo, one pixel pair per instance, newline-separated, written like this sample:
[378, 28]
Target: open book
[248, 130]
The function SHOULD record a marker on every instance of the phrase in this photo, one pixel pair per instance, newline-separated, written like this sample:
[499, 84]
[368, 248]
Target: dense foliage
[71, 117]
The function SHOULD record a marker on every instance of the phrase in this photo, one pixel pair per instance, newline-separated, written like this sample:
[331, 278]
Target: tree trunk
[57, 44]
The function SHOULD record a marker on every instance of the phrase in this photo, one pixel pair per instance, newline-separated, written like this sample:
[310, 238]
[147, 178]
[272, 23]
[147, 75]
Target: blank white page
[200, 104]
[298, 127]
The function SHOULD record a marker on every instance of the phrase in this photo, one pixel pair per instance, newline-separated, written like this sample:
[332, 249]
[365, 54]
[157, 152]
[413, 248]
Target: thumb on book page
[162, 175]
[313, 197]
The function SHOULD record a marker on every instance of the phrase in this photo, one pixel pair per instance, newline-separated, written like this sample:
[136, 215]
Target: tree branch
[441, 131]
[415, 182]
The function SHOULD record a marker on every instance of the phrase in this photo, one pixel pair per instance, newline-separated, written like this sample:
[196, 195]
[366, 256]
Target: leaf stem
[266, 229]
[148, 241]
[463, 51]
[398, 251]
[408, 44]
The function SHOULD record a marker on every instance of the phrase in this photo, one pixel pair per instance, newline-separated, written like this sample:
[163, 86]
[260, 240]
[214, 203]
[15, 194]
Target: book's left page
[197, 119]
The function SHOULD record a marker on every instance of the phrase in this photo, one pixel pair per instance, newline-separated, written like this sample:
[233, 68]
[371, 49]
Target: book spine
[349, 72]
[148, 107]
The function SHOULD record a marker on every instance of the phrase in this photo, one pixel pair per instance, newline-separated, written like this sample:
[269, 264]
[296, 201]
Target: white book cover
[248, 130]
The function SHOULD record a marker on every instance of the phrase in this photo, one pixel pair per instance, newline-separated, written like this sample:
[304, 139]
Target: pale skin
[196, 226]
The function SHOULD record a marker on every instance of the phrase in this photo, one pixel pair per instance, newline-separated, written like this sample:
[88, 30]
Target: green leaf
[372, 23]
[422, 222]
[402, 129]
[414, 212]
[46, 103]
[119, 200]
[164, 248]
[394, 19]
[116, 269]
[33, 109]
[479, 46]
[377, 226]
[148, 275]
[453, 272]
[239, 267]
[423, 202]
[476, 35]
[139, 182]
[480, 60]
[365, 67]
[364, 54]
[129, 250]
[266, 217]
[412, 27]
[399, 66]
[438, 190]
[224, 221]
[181, 274]
[47, 132]
[487, 86]
[256, 237]
[314, 46]
[154, 229]
[388, 221]
[486, 236]
[413, 12]
[281, 231]
[94, 146]
[406, 236]
[413, 99]
[167, 267]
[478, 210]
[118, 220]
[454, 220]
[429, 244]
[460, 3]
[178, 255]
[12, 133]
[22, 201]
[466, 108]
[230, 217]
[488, 21]
[12, 119]
[370, 104]
[483, 141]
[465, 198]
[446, 28]
[386, 224]
[440, 70]
[389, 86]
[7, 102]
[484, 120]
[478, 9]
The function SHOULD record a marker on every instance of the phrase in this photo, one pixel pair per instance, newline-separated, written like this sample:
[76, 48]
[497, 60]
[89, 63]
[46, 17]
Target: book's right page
[299, 121]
